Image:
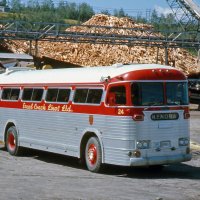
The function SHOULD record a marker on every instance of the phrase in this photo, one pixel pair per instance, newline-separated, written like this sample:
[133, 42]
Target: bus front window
[147, 94]
[152, 93]
[177, 93]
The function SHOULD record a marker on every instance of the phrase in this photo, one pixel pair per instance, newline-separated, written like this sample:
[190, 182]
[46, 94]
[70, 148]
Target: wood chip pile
[105, 54]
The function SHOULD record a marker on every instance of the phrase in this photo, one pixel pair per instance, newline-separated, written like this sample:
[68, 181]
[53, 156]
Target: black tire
[12, 141]
[93, 155]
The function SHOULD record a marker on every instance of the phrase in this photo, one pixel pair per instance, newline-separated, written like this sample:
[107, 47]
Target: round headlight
[186, 142]
[181, 142]
[139, 145]
[145, 145]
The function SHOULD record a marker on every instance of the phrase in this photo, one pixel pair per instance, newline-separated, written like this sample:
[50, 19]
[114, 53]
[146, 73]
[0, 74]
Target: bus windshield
[159, 93]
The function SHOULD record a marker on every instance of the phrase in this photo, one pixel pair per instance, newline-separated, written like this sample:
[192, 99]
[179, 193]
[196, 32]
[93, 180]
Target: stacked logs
[86, 54]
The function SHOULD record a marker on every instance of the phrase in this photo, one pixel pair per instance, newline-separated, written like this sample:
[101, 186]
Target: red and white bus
[128, 115]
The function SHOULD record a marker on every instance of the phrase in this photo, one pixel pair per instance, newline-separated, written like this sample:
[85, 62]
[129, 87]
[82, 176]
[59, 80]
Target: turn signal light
[137, 153]
[138, 117]
[186, 115]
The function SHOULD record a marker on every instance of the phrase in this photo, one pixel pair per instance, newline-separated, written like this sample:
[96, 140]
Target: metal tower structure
[55, 32]
[187, 13]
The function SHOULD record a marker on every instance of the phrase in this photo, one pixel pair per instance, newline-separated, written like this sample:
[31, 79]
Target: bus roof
[73, 75]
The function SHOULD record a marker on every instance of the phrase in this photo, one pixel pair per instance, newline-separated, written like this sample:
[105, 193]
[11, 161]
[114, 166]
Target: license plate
[195, 95]
[165, 144]
[164, 116]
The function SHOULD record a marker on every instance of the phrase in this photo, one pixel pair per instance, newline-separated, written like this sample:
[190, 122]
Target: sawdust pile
[86, 54]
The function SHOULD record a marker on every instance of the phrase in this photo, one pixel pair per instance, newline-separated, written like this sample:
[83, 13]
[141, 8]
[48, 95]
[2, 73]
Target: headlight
[183, 141]
[143, 144]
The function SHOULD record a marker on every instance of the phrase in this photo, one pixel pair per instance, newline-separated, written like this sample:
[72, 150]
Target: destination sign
[164, 116]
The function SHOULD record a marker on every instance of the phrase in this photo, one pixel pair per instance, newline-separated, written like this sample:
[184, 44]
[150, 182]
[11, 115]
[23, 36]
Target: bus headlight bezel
[183, 141]
[143, 144]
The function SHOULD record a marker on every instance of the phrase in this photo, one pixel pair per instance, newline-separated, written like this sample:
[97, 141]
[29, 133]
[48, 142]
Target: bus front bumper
[159, 160]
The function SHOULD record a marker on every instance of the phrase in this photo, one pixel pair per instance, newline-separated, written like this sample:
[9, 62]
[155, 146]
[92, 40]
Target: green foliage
[16, 6]
[120, 13]
[85, 12]
[105, 12]
[47, 11]
[3, 3]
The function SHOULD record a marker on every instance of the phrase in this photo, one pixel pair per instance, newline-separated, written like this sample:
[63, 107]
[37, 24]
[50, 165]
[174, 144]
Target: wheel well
[84, 141]
[6, 129]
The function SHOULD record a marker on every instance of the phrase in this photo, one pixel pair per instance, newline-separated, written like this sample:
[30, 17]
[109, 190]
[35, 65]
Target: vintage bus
[128, 115]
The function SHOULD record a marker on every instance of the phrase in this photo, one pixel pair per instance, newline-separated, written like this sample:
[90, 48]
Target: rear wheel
[93, 155]
[12, 141]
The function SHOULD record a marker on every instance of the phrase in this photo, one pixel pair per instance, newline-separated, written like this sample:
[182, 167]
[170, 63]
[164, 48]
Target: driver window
[116, 96]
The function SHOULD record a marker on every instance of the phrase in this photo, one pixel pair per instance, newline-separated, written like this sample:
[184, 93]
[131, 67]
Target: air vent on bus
[118, 65]
[16, 69]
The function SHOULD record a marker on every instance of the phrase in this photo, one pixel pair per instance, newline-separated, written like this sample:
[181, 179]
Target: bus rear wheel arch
[11, 141]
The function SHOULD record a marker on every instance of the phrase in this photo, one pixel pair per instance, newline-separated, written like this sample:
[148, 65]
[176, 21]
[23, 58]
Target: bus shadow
[49, 157]
[181, 171]
[53, 158]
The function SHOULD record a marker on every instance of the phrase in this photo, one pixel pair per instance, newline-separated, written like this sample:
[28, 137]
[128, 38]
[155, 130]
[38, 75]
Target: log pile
[124, 26]
[86, 54]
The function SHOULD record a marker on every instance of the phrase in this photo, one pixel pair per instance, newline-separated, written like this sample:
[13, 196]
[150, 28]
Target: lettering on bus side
[54, 98]
[50, 107]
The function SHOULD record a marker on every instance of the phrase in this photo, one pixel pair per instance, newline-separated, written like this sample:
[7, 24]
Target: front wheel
[12, 141]
[93, 155]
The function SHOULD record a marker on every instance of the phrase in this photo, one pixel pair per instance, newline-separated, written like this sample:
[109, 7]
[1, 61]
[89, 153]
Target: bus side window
[14, 94]
[6, 93]
[51, 95]
[58, 95]
[63, 95]
[11, 94]
[80, 95]
[116, 96]
[27, 94]
[37, 94]
[94, 96]
[32, 94]
[89, 96]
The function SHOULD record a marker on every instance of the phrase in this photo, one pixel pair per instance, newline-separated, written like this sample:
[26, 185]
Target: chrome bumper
[160, 160]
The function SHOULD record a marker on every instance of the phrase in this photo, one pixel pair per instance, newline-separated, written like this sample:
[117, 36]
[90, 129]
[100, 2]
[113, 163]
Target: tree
[105, 12]
[170, 19]
[154, 17]
[15, 5]
[3, 3]
[47, 5]
[85, 12]
[61, 9]
[120, 13]
[33, 5]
